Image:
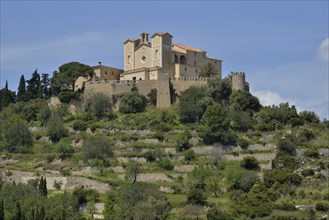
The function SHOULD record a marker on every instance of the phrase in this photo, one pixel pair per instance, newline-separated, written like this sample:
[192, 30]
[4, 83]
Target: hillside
[210, 156]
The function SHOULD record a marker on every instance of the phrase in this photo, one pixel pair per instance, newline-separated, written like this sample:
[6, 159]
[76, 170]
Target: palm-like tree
[208, 70]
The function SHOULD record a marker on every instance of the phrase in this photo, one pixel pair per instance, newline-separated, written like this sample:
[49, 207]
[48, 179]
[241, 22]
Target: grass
[176, 200]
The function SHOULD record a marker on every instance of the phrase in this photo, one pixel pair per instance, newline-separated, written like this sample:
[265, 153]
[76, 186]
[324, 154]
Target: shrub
[285, 206]
[321, 206]
[149, 156]
[189, 155]
[286, 146]
[166, 164]
[98, 104]
[243, 143]
[16, 135]
[281, 176]
[216, 214]
[56, 129]
[97, 148]
[131, 102]
[193, 103]
[250, 163]
[67, 96]
[196, 196]
[57, 184]
[182, 141]
[311, 152]
[80, 125]
[65, 151]
[307, 172]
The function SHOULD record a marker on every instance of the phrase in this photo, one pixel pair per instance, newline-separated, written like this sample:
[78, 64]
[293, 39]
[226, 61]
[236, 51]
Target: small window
[129, 59]
[194, 53]
[143, 59]
[140, 78]
[196, 70]
[176, 58]
[156, 54]
[185, 69]
[112, 73]
[105, 72]
[215, 62]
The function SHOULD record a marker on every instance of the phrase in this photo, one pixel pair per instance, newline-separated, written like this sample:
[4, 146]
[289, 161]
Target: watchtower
[239, 81]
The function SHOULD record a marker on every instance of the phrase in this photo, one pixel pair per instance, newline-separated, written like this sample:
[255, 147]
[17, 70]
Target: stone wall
[144, 87]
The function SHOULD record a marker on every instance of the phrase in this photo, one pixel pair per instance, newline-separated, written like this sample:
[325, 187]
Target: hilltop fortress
[159, 67]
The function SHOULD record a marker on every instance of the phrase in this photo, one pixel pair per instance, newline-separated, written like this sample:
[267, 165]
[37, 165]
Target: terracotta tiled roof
[189, 48]
[178, 50]
[212, 58]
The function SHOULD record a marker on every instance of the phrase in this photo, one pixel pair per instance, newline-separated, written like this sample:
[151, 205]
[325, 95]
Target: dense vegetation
[214, 155]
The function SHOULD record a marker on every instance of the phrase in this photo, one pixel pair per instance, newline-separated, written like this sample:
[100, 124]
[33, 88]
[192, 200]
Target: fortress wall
[182, 84]
[110, 88]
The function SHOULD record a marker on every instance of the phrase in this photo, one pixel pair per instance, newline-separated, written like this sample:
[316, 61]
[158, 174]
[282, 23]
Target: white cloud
[267, 97]
[323, 51]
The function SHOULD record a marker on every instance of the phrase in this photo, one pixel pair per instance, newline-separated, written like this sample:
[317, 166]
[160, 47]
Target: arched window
[182, 59]
[129, 59]
[176, 58]
[156, 54]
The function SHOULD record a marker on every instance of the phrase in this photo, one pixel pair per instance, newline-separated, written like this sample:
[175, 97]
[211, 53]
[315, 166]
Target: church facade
[145, 60]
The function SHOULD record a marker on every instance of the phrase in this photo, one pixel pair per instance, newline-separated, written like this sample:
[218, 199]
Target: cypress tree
[21, 92]
[33, 85]
[18, 214]
[45, 84]
[6, 99]
[43, 186]
[2, 211]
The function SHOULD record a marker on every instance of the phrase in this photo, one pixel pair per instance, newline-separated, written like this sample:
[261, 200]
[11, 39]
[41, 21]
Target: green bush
[196, 196]
[97, 148]
[67, 96]
[189, 155]
[149, 156]
[65, 151]
[250, 163]
[321, 206]
[16, 135]
[312, 152]
[131, 102]
[307, 172]
[281, 176]
[243, 143]
[56, 129]
[79, 125]
[99, 104]
[285, 206]
[166, 164]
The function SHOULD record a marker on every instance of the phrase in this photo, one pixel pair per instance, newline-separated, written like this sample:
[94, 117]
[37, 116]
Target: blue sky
[281, 45]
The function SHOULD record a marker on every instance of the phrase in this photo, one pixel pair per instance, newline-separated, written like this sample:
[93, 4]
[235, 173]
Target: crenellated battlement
[195, 79]
[238, 74]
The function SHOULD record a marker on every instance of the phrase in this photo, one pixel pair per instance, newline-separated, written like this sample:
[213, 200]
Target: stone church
[144, 59]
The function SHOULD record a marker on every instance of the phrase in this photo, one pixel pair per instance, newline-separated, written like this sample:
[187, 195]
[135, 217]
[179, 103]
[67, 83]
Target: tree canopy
[65, 78]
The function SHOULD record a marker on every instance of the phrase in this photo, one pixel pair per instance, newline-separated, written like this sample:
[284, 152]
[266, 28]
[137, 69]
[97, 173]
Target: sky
[282, 46]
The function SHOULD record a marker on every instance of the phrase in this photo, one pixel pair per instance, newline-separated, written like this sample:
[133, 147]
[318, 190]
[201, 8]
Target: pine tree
[21, 92]
[2, 211]
[6, 99]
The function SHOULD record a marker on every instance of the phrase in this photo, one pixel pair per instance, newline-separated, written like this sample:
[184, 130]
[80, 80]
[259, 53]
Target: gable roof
[161, 33]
